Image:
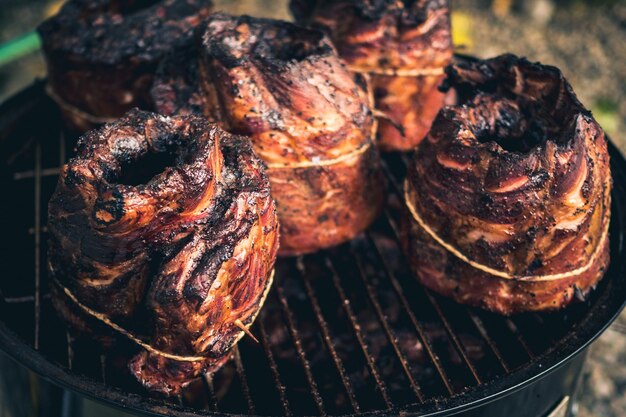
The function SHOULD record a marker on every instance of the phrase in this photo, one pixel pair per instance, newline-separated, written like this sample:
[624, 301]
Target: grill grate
[343, 331]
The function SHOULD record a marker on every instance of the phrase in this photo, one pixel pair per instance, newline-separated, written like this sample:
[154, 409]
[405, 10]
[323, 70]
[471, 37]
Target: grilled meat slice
[102, 54]
[308, 118]
[402, 46]
[181, 256]
[508, 196]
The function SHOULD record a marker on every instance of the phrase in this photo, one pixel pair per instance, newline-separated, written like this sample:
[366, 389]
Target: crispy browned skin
[516, 179]
[176, 261]
[402, 45]
[102, 54]
[309, 121]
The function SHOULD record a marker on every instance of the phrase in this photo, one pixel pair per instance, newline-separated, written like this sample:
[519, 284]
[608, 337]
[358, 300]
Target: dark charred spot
[515, 126]
[109, 31]
[517, 104]
[110, 209]
[586, 190]
[540, 177]
[237, 40]
[73, 179]
[535, 264]
[102, 54]
[380, 92]
[531, 233]
[486, 199]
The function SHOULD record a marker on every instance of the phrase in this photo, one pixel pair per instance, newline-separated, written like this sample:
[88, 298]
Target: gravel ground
[586, 39]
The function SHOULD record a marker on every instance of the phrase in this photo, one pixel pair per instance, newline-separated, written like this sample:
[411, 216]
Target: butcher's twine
[108, 322]
[456, 252]
[95, 120]
[272, 165]
[321, 163]
[334, 161]
[398, 72]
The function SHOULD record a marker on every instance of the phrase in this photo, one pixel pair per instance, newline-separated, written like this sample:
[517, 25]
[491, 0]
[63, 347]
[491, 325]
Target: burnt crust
[308, 119]
[102, 54]
[183, 259]
[176, 88]
[516, 178]
[274, 43]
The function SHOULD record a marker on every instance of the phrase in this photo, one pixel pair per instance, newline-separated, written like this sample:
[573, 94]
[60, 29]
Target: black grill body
[347, 331]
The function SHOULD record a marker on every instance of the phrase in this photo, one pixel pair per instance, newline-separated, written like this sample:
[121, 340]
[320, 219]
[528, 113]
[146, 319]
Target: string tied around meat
[135, 339]
[378, 113]
[502, 274]
[347, 156]
[325, 162]
[80, 114]
[398, 72]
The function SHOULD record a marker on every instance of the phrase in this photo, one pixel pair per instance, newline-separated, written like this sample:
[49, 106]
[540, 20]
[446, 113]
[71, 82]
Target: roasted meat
[176, 88]
[508, 197]
[102, 54]
[308, 118]
[402, 46]
[163, 230]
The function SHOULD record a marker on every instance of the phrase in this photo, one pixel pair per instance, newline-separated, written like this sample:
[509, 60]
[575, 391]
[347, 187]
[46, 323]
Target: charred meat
[402, 46]
[309, 120]
[176, 88]
[163, 231]
[102, 54]
[508, 197]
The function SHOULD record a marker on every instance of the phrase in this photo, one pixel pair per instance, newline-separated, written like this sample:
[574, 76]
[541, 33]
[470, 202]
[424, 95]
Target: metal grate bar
[455, 340]
[18, 300]
[24, 299]
[103, 368]
[298, 344]
[478, 323]
[37, 242]
[442, 328]
[510, 324]
[274, 367]
[391, 336]
[207, 379]
[451, 334]
[70, 349]
[44, 229]
[520, 338]
[244, 380]
[47, 172]
[426, 342]
[359, 335]
[326, 336]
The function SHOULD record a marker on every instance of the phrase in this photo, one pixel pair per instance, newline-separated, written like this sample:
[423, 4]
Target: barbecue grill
[347, 331]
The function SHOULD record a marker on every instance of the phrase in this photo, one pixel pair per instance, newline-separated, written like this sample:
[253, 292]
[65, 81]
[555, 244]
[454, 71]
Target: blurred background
[586, 39]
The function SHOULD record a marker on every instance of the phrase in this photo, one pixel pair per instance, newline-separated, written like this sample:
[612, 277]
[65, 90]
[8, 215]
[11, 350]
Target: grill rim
[605, 310]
